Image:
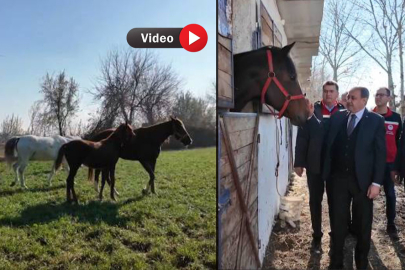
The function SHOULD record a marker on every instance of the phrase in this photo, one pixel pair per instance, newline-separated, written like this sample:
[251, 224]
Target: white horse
[19, 150]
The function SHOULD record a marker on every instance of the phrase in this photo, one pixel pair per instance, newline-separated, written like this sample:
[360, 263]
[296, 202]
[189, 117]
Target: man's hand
[310, 108]
[299, 171]
[394, 177]
[373, 191]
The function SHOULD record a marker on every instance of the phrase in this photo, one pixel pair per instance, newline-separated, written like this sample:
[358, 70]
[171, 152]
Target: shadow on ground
[92, 212]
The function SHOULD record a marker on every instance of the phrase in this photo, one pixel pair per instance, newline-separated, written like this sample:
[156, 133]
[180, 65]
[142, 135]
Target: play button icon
[193, 38]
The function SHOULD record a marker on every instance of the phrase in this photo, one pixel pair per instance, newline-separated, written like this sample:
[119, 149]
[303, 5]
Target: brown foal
[99, 155]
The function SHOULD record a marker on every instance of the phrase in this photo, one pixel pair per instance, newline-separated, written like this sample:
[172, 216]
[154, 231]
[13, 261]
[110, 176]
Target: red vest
[326, 113]
[392, 124]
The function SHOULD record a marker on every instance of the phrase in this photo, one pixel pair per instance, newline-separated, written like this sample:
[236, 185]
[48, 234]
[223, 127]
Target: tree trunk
[150, 117]
[60, 129]
[335, 76]
[391, 87]
[401, 66]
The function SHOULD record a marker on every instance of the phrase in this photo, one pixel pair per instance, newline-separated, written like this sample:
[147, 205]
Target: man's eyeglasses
[381, 95]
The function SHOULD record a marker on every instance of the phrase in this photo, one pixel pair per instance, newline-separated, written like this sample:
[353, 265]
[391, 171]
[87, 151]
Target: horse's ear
[286, 49]
[171, 117]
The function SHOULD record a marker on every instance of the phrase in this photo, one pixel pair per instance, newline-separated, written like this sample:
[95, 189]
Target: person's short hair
[387, 90]
[364, 93]
[331, 83]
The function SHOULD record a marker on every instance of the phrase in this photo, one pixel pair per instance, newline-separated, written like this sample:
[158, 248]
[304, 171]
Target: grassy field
[174, 229]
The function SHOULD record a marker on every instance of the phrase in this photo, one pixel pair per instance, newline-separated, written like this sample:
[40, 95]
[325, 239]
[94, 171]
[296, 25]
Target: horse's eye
[293, 77]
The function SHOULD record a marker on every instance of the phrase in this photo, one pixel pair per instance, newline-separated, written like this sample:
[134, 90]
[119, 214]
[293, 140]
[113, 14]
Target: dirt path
[290, 248]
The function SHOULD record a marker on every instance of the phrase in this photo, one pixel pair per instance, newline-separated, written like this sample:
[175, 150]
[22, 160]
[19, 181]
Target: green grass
[173, 229]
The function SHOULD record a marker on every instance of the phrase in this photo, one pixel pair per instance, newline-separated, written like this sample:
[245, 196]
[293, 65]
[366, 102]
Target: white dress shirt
[359, 115]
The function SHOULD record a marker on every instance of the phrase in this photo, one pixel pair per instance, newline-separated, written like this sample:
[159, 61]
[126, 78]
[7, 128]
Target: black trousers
[345, 189]
[316, 187]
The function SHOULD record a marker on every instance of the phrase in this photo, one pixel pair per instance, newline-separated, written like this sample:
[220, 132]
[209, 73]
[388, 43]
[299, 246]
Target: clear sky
[43, 36]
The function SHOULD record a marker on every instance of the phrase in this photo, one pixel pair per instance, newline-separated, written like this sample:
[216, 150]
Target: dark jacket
[310, 138]
[370, 148]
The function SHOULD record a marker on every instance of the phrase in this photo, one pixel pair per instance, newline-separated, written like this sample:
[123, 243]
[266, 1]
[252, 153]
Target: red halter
[271, 76]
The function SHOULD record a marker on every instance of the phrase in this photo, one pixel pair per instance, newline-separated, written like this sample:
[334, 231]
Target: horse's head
[124, 132]
[251, 73]
[180, 132]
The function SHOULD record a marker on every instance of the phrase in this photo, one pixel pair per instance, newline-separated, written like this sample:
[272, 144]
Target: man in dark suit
[354, 167]
[308, 154]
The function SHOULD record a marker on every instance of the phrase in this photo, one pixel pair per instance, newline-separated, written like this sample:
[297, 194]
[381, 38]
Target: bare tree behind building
[380, 38]
[338, 48]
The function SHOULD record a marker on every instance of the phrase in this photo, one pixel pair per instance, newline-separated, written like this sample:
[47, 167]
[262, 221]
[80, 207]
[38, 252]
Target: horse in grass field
[145, 146]
[100, 155]
[20, 150]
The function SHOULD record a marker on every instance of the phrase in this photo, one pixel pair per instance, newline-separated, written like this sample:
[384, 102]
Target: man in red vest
[393, 129]
[309, 152]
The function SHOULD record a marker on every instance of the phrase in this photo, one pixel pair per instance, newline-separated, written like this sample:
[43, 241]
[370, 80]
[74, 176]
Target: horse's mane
[150, 128]
[272, 48]
[290, 64]
[138, 131]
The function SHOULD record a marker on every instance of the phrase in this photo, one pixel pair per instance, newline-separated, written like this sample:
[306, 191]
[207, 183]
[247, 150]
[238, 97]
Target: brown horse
[101, 155]
[145, 146]
[251, 70]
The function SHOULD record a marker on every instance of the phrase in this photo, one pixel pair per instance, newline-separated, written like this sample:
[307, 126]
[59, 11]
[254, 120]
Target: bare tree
[37, 126]
[159, 89]
[380, 38]
[335, 45]
[77, 128]
[11, 126]
[134, 82]
[212, 93]
[104, 118]
[61, 101]
[319, 74]
[395, 10]
[196, 112]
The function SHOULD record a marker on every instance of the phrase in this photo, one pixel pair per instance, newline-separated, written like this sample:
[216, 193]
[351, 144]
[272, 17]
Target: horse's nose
[299, 120]
[187, 141]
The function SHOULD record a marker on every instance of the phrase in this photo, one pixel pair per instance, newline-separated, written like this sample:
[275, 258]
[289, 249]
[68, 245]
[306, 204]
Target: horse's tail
[90, 175]
[9, 149]
[59, 159]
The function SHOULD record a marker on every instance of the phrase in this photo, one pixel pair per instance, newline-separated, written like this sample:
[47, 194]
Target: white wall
[268, 201]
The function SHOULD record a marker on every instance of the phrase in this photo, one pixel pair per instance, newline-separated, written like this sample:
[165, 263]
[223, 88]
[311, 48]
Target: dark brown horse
[145, 146]
[251, 70]
[101, 155]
